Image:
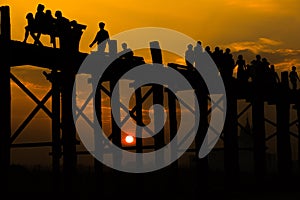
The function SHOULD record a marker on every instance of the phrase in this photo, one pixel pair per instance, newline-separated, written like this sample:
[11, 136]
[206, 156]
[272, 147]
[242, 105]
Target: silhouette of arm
[94, 41]
[92, 44]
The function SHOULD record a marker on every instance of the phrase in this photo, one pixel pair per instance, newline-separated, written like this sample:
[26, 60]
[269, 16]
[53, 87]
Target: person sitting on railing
[62, 29]
[31, 28]
[49, 26]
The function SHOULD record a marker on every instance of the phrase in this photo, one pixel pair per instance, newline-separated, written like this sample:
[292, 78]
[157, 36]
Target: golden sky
[266, 27]
[261, 26]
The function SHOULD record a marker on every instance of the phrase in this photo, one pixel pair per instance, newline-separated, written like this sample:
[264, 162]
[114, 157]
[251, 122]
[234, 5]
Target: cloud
[261, 45]
[282, 58]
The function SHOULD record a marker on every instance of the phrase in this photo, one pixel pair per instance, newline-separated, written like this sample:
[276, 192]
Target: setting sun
[129, 139]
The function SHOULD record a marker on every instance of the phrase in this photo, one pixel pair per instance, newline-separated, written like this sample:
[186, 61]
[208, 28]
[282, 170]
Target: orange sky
[267, 27]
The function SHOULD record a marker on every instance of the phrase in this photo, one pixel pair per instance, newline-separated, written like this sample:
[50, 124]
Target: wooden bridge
[65, 64]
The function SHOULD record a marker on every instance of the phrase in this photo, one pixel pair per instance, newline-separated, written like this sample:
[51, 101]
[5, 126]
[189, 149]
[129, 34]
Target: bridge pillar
[259, 134]
[5, 99]
[158, 98]
[231, 148]
[56, 144]
[283, 136]
[68, 130]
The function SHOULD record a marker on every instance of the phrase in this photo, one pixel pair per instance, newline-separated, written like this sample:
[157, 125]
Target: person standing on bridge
[189, 56]
[294, 78]
[101, 38]
[40, 21]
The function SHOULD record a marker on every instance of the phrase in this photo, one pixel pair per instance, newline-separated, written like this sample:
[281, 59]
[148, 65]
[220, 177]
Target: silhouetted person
[293, 75]
[126, 52]
[40, 20]
[227, 64]
[217, 57]
[49, 23]
[31, 29]
[241, 69]
[62, 29]
[189, 56]
[258, 71]
[101, 38]
[198, 52]
[207, 49]
[274, 75]
[75, 34]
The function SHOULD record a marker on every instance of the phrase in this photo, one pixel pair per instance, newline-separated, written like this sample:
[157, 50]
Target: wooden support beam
[30, 94]
[56, 131]
[158, 98]
[139, 178]
[5, 99]
[97, 102]
[201, 169]
[231, 151]
[30, 117]
[259, 134]
[68, 130]
[283, 136]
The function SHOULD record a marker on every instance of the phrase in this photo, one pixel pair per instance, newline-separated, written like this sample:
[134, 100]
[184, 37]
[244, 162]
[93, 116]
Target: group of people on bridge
[69, 32]
[259, 71]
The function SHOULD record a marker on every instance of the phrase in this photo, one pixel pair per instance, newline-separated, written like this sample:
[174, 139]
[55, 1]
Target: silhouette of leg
[36, 40]
[52, 40]
[26, 34]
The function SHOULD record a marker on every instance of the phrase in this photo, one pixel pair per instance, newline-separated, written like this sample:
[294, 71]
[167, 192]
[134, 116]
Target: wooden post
[56, 144]
[139, 118]
[5, 99]
[298, 118]
[231, 151]
[68, 129]
[201, 177]
[98, 166]
[158, 98]
[116, 136]
[116, 131]
[283, 136]
[258, 120]
[172, 107]
[173, 128]
[139, 177]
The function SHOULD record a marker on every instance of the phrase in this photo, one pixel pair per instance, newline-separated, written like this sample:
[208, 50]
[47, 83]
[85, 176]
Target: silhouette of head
[293, 68]
[48, 12]
[29, 16]
[40, 8]
[101, 25]
[124, 46]
[240, 57]
[258, 57]
[227, 50]
[207, 48]
[199, 43]
[190, 46]
[217, 49]
[58, 14]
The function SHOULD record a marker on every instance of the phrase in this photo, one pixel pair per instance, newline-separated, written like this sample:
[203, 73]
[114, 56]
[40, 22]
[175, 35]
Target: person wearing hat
[101, 38]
